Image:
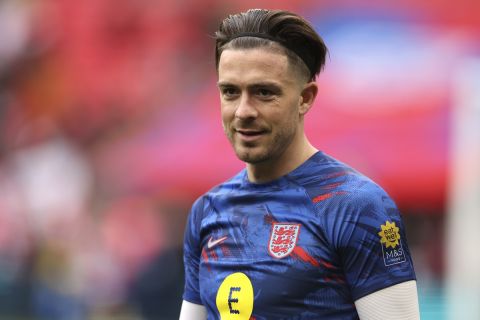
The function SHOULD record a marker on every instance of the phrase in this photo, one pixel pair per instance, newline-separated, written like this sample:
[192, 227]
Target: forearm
[396, 302]
[192, 311]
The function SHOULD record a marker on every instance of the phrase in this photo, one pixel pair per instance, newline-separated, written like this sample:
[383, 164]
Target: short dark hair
[260, 27]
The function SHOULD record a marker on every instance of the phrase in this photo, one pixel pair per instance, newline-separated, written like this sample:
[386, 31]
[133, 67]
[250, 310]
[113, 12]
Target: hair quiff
[303, 46]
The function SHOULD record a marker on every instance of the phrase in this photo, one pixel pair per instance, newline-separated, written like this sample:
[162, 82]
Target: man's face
[260, 97]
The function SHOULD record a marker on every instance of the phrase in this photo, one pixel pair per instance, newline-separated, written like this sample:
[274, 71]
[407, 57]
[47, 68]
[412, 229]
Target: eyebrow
[222, 84]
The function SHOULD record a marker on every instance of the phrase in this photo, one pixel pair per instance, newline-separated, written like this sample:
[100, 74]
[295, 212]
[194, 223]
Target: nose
[245, 108]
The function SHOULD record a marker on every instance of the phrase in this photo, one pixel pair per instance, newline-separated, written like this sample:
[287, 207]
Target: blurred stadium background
[110, 128]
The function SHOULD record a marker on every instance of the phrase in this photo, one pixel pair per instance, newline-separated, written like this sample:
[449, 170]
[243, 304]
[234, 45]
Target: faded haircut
[256, 28]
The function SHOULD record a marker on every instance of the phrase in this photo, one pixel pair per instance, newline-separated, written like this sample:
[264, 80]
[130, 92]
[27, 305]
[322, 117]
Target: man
[297, 234]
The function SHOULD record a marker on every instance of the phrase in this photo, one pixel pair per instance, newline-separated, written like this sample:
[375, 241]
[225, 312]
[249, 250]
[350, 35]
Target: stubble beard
[269, 150]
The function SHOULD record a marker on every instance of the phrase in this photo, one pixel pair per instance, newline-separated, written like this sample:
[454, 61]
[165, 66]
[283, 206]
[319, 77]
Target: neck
[289, 160]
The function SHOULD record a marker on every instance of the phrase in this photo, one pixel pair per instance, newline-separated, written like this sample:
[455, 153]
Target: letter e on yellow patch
[235, 297]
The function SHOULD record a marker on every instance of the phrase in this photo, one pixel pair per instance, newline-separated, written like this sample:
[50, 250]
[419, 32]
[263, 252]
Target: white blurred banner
[463, 258]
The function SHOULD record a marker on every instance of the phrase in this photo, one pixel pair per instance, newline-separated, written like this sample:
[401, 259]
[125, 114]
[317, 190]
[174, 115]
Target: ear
[307, 97]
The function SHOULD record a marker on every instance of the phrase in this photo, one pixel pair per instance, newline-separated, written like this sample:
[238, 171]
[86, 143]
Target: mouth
[249, 134]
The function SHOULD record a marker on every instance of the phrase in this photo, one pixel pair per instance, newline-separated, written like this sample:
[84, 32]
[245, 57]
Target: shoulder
[219, 191]
[345, 200]
[326, 178]
[228, 186]
[207, 204]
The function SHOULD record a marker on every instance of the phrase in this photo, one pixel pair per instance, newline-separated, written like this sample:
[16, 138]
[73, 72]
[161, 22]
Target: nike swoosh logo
[212, 243]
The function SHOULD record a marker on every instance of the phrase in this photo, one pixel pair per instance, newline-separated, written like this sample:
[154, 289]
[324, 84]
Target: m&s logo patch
[390, 241]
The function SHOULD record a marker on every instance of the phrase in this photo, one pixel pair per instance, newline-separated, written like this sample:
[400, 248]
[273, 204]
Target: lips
[249, 134]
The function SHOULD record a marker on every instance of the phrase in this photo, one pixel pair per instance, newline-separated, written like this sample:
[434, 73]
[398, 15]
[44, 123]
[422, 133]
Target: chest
[269, 251]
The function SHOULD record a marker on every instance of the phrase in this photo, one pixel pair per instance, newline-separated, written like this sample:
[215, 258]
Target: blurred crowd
[91, 224]
[77, 80]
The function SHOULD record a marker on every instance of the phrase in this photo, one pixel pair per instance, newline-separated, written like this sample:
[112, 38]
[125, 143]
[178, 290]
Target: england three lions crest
[283, 239]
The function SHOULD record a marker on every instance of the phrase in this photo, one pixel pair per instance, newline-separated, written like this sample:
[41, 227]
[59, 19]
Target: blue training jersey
[305, 246]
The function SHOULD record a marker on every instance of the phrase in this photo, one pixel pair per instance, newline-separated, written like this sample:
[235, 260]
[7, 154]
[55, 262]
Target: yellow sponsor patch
[392, 248]
[389, 234]
[235, 297]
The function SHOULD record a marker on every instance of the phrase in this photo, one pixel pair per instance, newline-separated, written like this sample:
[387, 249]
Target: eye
[229, 92]
[265, 93]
